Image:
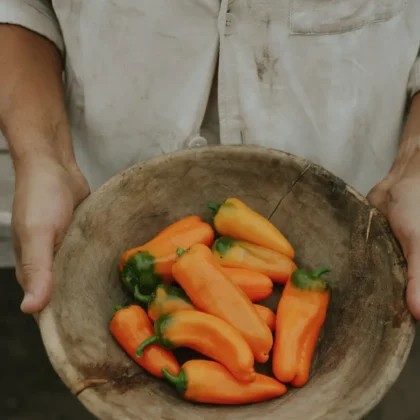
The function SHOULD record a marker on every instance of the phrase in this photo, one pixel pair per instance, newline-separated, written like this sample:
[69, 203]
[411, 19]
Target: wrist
[30, 150]
[411, 167]
[41, 168]
[39, 155]
[407, 162]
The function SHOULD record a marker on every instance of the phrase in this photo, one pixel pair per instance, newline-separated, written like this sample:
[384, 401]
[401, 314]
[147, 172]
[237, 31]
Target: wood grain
[368, 332]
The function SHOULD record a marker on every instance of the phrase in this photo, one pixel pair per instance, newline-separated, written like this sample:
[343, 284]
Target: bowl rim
[72, 378]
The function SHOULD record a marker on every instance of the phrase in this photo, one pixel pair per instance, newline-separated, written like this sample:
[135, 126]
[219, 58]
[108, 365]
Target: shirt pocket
[324, 17]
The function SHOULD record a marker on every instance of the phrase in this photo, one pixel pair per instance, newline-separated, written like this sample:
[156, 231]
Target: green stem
[172, 379]
[154, 339]
[140, 270]
[223, 244]
[305, 280]
[179, 382]
[214, 207]
[180, 252]
[145, 299]
[320, 271]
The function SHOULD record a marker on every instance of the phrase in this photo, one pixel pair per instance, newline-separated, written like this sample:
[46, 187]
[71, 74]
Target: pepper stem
[223, 244]
[305, 280]
[140, 297]
[146, 343]
[172, 379]
[179, 382]
[214, 207]
[180, 252]
[320, 271]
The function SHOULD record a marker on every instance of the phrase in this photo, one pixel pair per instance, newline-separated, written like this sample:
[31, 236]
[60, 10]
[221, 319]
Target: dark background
[31, 390]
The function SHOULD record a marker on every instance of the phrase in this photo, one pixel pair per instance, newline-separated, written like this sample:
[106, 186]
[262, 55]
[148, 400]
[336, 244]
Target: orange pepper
[257, 286]
[234, 253]
[211, 291]
[208, 335]
[234, 218]
[130, 326]
[168, 298]
[178, 226]
[267, 315]
[301, 313]
[173, 230]
[146, 266]
[206, 381]
[165, 299]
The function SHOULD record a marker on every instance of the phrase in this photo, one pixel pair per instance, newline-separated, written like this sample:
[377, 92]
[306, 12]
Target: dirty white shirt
[327, 80]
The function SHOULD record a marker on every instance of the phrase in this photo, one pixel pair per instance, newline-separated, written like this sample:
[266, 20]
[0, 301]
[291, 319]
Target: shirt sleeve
[414, 80]
[35, 15]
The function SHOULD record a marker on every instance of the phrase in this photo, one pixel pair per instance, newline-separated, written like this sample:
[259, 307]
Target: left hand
[398, 198]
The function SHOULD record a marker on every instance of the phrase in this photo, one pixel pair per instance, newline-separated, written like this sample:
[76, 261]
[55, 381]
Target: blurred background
[30, 388]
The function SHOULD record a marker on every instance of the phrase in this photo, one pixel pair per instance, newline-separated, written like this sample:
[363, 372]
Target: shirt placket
[231, 123]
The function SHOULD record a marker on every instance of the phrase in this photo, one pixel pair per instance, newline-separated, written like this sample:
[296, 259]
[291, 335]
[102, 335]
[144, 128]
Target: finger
[378, 197]
[413, 287]
[35, 271]
[17, 253]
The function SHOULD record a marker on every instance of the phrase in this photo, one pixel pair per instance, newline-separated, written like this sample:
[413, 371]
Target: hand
[399, 200]
[46, 194]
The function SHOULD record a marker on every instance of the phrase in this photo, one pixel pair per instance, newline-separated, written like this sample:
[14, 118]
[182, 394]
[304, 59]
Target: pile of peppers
[197, 285]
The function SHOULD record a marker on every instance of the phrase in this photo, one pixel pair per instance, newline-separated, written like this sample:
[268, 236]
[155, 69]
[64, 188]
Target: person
[88, 88]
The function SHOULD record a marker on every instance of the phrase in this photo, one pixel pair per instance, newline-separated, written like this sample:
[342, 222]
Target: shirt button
[230, 19]
[197, 142]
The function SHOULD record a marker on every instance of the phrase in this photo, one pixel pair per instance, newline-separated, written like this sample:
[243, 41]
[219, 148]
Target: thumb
[378, 196]
[413, 287]
[37, 248]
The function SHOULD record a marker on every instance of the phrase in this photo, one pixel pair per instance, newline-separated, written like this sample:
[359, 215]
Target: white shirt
[327, 80]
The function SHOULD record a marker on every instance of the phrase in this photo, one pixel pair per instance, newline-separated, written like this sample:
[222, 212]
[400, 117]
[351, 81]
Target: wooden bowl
[368, 332]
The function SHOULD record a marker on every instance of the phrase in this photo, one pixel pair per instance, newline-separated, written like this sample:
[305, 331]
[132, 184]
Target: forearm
[32, 110]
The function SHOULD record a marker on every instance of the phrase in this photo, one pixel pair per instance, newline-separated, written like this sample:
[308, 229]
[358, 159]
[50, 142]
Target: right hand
[46, 194]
